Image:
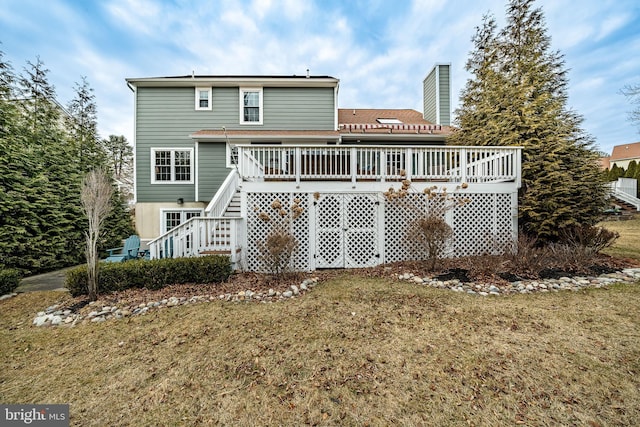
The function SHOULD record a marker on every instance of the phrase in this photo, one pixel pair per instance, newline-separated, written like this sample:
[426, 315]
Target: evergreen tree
[615, 172]
[119, 223]
[54, 222]
[15, 162]
[631, 169]
[120, 161]
[41, 221]
[518, 97]
[82, 124]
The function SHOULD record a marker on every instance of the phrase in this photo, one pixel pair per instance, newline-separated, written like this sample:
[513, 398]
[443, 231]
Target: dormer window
[203, 98]
[389, 121]
[251, 106]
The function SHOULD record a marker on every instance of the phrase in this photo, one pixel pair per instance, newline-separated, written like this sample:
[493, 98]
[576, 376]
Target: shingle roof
[366, 121]
[371, 116]
[626, 151]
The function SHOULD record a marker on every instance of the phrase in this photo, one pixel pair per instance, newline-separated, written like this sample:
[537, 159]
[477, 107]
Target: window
[172, 166]
[251, 106]
[203, 98]
[389, 121]
[175, 217]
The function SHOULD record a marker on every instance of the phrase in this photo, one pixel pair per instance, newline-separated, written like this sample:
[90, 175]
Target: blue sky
[379, 49]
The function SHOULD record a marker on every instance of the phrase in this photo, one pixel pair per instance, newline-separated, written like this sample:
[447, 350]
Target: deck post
[354, 166]
[197, 232]
[463, 164]
[298, 166]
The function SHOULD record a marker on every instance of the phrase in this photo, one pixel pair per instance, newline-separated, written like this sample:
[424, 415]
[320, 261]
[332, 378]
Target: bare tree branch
[95, 197]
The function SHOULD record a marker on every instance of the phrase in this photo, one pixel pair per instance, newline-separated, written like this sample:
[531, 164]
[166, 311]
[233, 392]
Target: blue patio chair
[128, 251]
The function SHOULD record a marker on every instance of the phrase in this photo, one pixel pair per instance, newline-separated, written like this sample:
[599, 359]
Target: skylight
[389, 121]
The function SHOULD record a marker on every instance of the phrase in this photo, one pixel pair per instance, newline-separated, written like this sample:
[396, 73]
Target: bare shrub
[528, 258]
[592, 239]
[580, 246]
[576, 252]
[484, 266]
[277, 249]
[428, 235]
[95, 197]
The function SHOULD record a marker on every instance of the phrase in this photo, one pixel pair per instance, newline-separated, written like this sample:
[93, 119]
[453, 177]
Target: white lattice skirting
[364, 230]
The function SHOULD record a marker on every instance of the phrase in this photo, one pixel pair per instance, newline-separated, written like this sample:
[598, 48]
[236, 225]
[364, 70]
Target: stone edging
[575, 283]
[53, 316]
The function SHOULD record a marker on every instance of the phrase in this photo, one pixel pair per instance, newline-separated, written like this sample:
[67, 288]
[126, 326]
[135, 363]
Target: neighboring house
[622, 155]
[213, 154]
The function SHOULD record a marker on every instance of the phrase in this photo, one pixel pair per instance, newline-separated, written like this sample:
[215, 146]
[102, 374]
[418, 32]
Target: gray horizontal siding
[211, 169]
[299, 108]
[429, 97]
[445, 102]
[167, 116]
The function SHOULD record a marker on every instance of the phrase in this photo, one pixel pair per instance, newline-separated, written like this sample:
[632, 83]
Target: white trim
[199, 89]
[241, 93]
[173, 170]
[195, 172]
[437, 94]
[163, 212]
[135, 148]
[335, 107]
[233, 81]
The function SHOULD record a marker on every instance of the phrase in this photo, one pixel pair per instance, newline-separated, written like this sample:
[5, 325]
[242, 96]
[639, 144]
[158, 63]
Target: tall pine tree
[82, 125]
[15, 166]
[517, 96]
[54, 222]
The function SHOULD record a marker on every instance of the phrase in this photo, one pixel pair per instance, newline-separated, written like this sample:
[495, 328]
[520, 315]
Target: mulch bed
[463, 269]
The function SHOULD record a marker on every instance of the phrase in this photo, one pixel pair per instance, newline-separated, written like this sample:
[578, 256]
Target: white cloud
[379, 50]
[612, 24]
[137, 16]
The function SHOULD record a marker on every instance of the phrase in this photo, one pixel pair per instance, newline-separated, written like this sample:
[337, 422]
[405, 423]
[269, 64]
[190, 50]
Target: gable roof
[626, 152]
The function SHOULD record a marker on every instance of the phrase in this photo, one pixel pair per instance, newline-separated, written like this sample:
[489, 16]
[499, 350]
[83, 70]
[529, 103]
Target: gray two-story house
[213, 154]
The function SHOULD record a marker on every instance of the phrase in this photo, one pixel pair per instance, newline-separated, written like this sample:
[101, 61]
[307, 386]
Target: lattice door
[347, 231]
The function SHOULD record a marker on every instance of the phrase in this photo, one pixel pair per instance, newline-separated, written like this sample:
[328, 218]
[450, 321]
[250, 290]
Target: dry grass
[355, 351]
[628, 244]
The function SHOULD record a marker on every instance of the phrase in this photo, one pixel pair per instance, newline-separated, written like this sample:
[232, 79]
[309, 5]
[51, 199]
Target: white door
[347, 231]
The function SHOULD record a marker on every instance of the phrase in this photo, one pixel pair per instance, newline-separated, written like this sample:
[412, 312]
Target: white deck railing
[200, 236]
[379, 163]
[223, 196]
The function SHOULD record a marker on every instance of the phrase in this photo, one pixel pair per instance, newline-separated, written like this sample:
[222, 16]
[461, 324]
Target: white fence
[625, 185]
[379, 163]
[625, 189]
